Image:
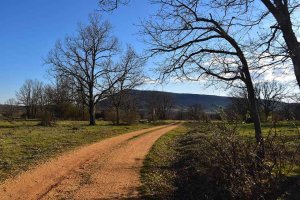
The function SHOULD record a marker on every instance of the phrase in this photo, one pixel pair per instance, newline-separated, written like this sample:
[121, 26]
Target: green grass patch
[288, 127]
[24, 143]
[158, 172]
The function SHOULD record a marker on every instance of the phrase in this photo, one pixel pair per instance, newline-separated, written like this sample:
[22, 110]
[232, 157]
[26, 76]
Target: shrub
[110, 115]
[218, 163]
[47, 119]
[131, 117]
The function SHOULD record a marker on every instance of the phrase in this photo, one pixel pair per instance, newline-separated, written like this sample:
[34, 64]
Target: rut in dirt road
[108, 169]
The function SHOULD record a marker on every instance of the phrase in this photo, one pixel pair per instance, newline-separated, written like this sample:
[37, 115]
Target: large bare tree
[197, 42]
[87, 58]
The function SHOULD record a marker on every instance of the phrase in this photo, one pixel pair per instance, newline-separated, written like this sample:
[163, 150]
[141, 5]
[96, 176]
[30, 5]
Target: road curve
[108, 169]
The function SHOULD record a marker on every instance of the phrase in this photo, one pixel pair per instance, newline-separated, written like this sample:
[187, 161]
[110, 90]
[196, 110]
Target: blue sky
[29, 29]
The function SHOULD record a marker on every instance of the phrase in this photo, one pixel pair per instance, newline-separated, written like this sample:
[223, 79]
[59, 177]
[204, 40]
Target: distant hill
[182, 100]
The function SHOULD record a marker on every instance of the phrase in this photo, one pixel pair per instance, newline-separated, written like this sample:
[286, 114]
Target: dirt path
[105, 170]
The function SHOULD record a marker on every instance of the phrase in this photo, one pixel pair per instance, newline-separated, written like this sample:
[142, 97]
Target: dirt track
[105, 170]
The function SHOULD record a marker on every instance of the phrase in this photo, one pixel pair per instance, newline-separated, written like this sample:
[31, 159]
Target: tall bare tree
[130, 75]
[197, 44]
[87, 58]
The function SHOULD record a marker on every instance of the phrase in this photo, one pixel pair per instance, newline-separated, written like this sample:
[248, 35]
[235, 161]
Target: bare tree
[30, 95]
[198, 45]
[196, 112]
[270, 96]
[87, 58]
[152, 104]
[130, 76]
[165, 104]
[10, 108]
[130, 105]
[65, 100]
[159, 105]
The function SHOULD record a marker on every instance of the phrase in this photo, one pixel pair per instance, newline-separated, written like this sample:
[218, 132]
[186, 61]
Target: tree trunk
[92, 113]
[117, 115]
[255, 118]
[267, 114]
[27, 112]
[292, 43]
[83, 112]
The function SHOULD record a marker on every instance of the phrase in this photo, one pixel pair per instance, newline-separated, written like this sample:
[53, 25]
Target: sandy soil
[105, 170]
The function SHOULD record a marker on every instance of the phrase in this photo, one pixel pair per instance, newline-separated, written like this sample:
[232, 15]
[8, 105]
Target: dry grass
[25, 143]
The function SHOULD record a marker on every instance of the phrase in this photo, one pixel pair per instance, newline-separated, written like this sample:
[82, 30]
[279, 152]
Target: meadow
[23, 144]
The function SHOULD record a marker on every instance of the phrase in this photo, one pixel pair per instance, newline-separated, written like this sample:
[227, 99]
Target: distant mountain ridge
[185, 100]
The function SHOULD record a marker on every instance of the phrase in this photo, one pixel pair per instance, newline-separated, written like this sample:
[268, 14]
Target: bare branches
[87, 58]
[280, 39]
[193, 41]
[199, 41]
[270, 95]
[110, 5]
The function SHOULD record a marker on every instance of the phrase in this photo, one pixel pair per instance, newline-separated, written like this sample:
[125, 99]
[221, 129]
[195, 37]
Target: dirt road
[105, 170]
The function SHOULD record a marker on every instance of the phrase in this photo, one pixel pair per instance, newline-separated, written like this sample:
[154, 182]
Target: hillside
[209, 102]
[180, 100]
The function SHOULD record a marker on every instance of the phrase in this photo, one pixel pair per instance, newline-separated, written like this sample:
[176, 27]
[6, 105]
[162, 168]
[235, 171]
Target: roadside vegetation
[158, 174]
[217, 161]
[26, 143]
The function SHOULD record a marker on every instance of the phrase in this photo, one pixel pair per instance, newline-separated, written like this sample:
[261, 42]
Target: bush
[110, 115]
[47, 119]
[131, 117]
[218, 163]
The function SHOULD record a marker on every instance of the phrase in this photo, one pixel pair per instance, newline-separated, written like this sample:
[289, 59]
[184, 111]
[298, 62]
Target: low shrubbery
[216, 161]
[47, 119]
[224, 165]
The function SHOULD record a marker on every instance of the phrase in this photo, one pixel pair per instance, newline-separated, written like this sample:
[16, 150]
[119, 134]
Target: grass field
[290, 128]
[171, 169]
[25, 143]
